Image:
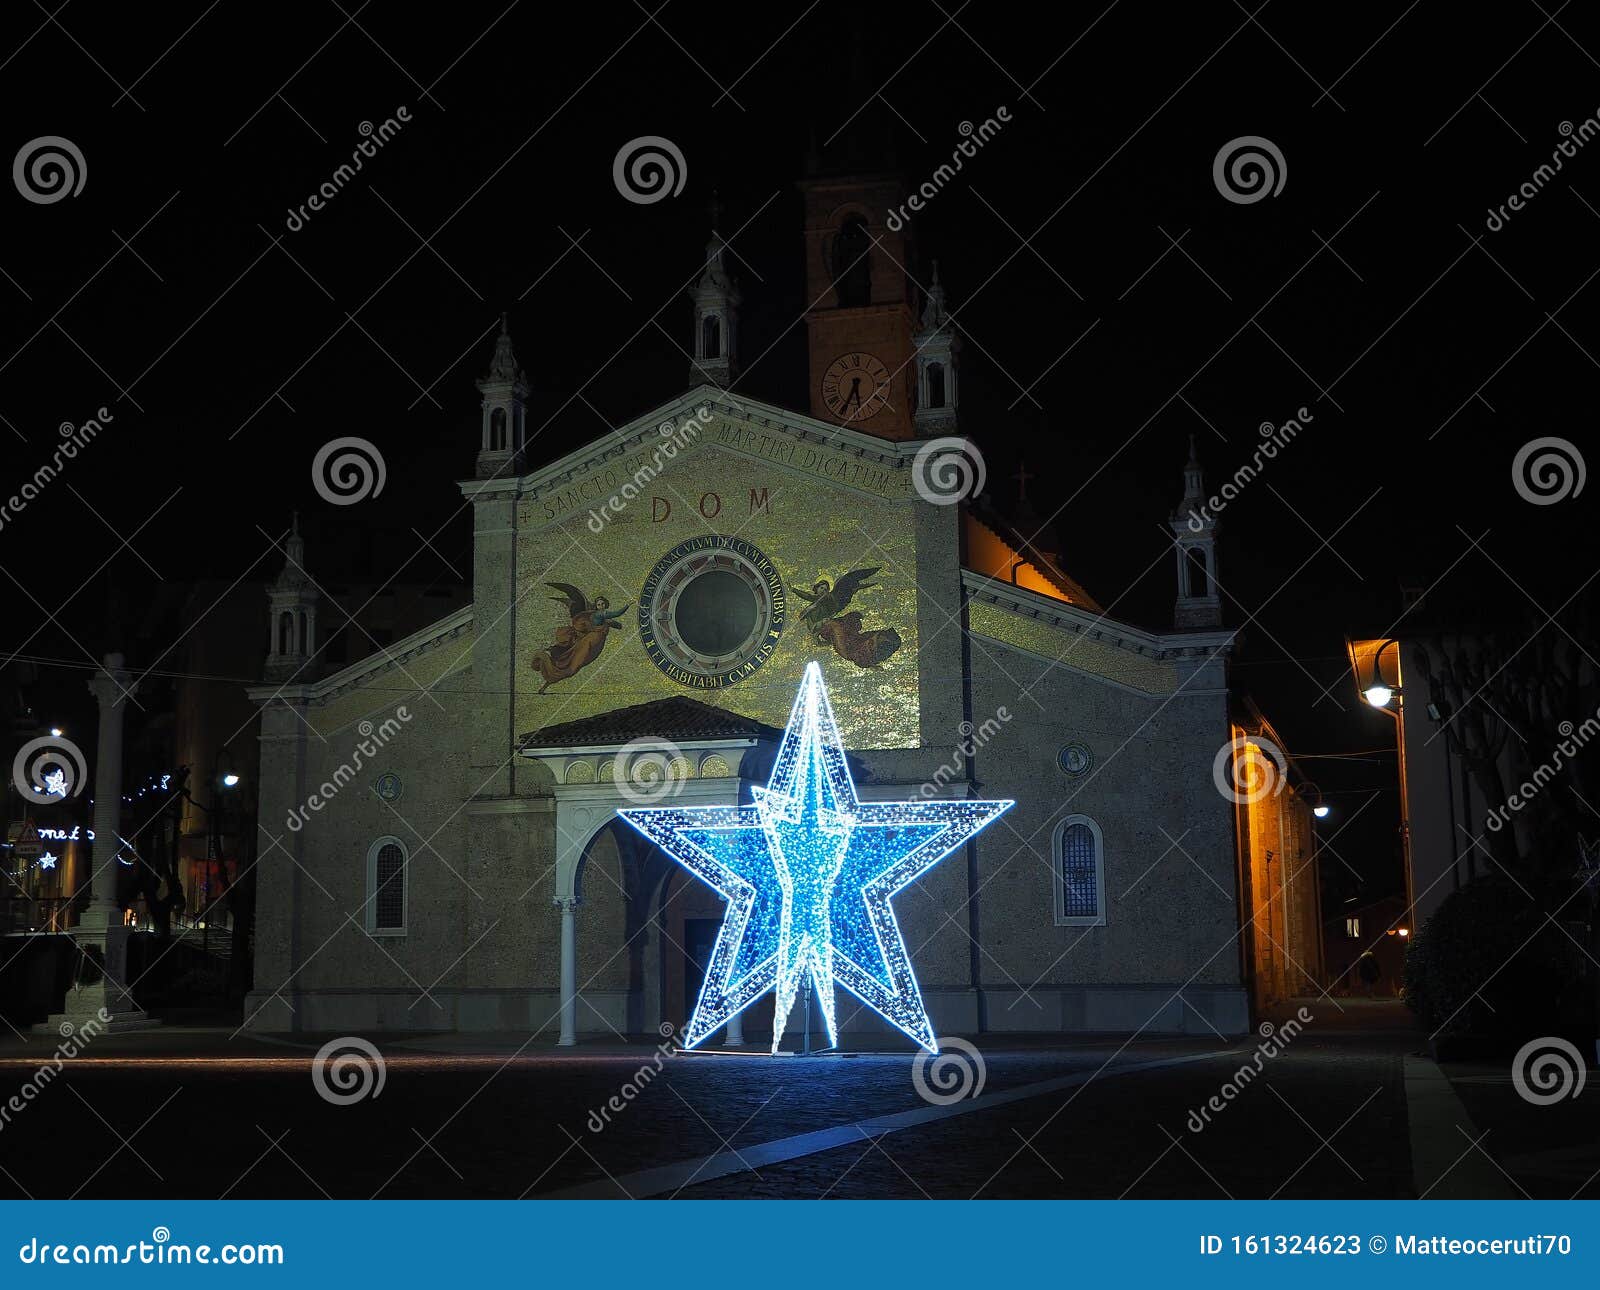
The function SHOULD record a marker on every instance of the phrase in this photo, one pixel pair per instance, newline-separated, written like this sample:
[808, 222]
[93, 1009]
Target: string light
[808, 872]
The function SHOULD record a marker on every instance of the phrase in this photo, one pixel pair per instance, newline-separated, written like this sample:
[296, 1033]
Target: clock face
[855, 386]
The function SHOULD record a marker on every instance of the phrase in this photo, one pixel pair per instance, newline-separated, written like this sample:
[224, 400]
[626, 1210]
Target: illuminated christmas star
[56, 782]
[47, 861]
[809, 872]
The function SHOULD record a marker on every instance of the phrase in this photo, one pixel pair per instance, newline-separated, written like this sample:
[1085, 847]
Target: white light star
[809, 872]
[55, 782]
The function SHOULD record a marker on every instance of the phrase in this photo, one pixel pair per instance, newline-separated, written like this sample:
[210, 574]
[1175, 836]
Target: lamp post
[1391, 699]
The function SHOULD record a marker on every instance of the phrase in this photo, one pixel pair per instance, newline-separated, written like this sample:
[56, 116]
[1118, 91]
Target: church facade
[440, 849]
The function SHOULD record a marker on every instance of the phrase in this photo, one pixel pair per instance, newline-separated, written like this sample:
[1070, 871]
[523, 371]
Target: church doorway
[699, 939]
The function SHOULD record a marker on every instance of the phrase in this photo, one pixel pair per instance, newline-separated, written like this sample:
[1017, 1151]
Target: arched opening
[711, 337]
[936, 395]
[285, 632]
[497, 430]
[1080, 876]
[1197, 579]
[852, 264]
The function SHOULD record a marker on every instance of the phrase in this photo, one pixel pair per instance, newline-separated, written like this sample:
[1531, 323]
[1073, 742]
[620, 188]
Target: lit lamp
[1378, 694]
[1313, 794]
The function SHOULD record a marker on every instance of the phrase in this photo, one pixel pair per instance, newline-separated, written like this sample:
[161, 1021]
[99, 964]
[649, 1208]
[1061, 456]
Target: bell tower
[292, 614]
[716, 315]
[860, 317]
[860, 297]
[1194, 532]
[937, 345]
[505, 399]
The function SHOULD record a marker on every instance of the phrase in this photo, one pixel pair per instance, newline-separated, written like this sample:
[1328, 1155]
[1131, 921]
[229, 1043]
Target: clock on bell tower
[860, 320]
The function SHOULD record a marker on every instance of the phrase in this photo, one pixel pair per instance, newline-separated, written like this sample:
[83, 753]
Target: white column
[569, 971]
[736, 1031]
[112, 687]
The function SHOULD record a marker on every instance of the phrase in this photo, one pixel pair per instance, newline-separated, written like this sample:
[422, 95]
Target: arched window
[285, 633]
[1080, 873]
[386, 888]
[711, 337]
[497, 430]
[852, 264]
[1198, 577]
[936, 385]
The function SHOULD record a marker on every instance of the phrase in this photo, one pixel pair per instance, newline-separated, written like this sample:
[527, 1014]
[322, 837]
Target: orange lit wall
[992, 556]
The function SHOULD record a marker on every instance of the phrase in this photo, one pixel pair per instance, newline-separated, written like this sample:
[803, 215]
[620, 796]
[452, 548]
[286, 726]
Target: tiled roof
[677, 718]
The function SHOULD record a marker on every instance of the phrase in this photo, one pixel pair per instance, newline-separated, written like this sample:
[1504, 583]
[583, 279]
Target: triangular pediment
[705, 421]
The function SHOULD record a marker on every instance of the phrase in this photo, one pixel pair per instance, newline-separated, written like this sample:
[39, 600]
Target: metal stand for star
[806, 1050]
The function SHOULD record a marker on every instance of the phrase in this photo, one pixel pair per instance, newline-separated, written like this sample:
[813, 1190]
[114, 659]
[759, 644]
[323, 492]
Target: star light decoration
[808, 871]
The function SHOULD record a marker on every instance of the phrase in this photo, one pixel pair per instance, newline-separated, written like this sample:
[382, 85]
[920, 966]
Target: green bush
[1487, 964]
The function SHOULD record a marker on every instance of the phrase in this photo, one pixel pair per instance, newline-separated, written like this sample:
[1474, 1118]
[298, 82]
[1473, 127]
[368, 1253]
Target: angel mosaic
[827, 617]
[579, 642]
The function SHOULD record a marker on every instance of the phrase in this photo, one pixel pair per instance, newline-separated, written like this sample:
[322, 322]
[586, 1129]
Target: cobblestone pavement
[196, 1116]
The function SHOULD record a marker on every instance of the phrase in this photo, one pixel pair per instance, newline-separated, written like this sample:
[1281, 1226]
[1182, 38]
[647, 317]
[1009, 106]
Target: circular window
[711, 611]
[715, 612]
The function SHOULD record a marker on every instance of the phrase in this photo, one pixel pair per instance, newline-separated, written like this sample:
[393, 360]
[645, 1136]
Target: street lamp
[1313, 792]
[55, 732]
[230, 780]
[1378, 694]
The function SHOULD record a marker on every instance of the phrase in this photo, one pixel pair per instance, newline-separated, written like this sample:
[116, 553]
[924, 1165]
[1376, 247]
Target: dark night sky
[1368, 291]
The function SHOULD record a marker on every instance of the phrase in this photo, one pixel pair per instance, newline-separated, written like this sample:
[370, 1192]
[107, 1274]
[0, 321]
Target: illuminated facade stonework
[640, 622]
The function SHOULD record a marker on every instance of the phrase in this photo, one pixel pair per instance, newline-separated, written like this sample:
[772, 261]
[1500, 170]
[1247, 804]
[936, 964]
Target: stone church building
[439, 846]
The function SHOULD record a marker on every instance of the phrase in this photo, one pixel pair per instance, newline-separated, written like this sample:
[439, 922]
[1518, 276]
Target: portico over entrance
[671, 752]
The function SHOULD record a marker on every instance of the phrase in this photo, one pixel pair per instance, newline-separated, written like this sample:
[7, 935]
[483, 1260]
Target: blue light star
[809, 872]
